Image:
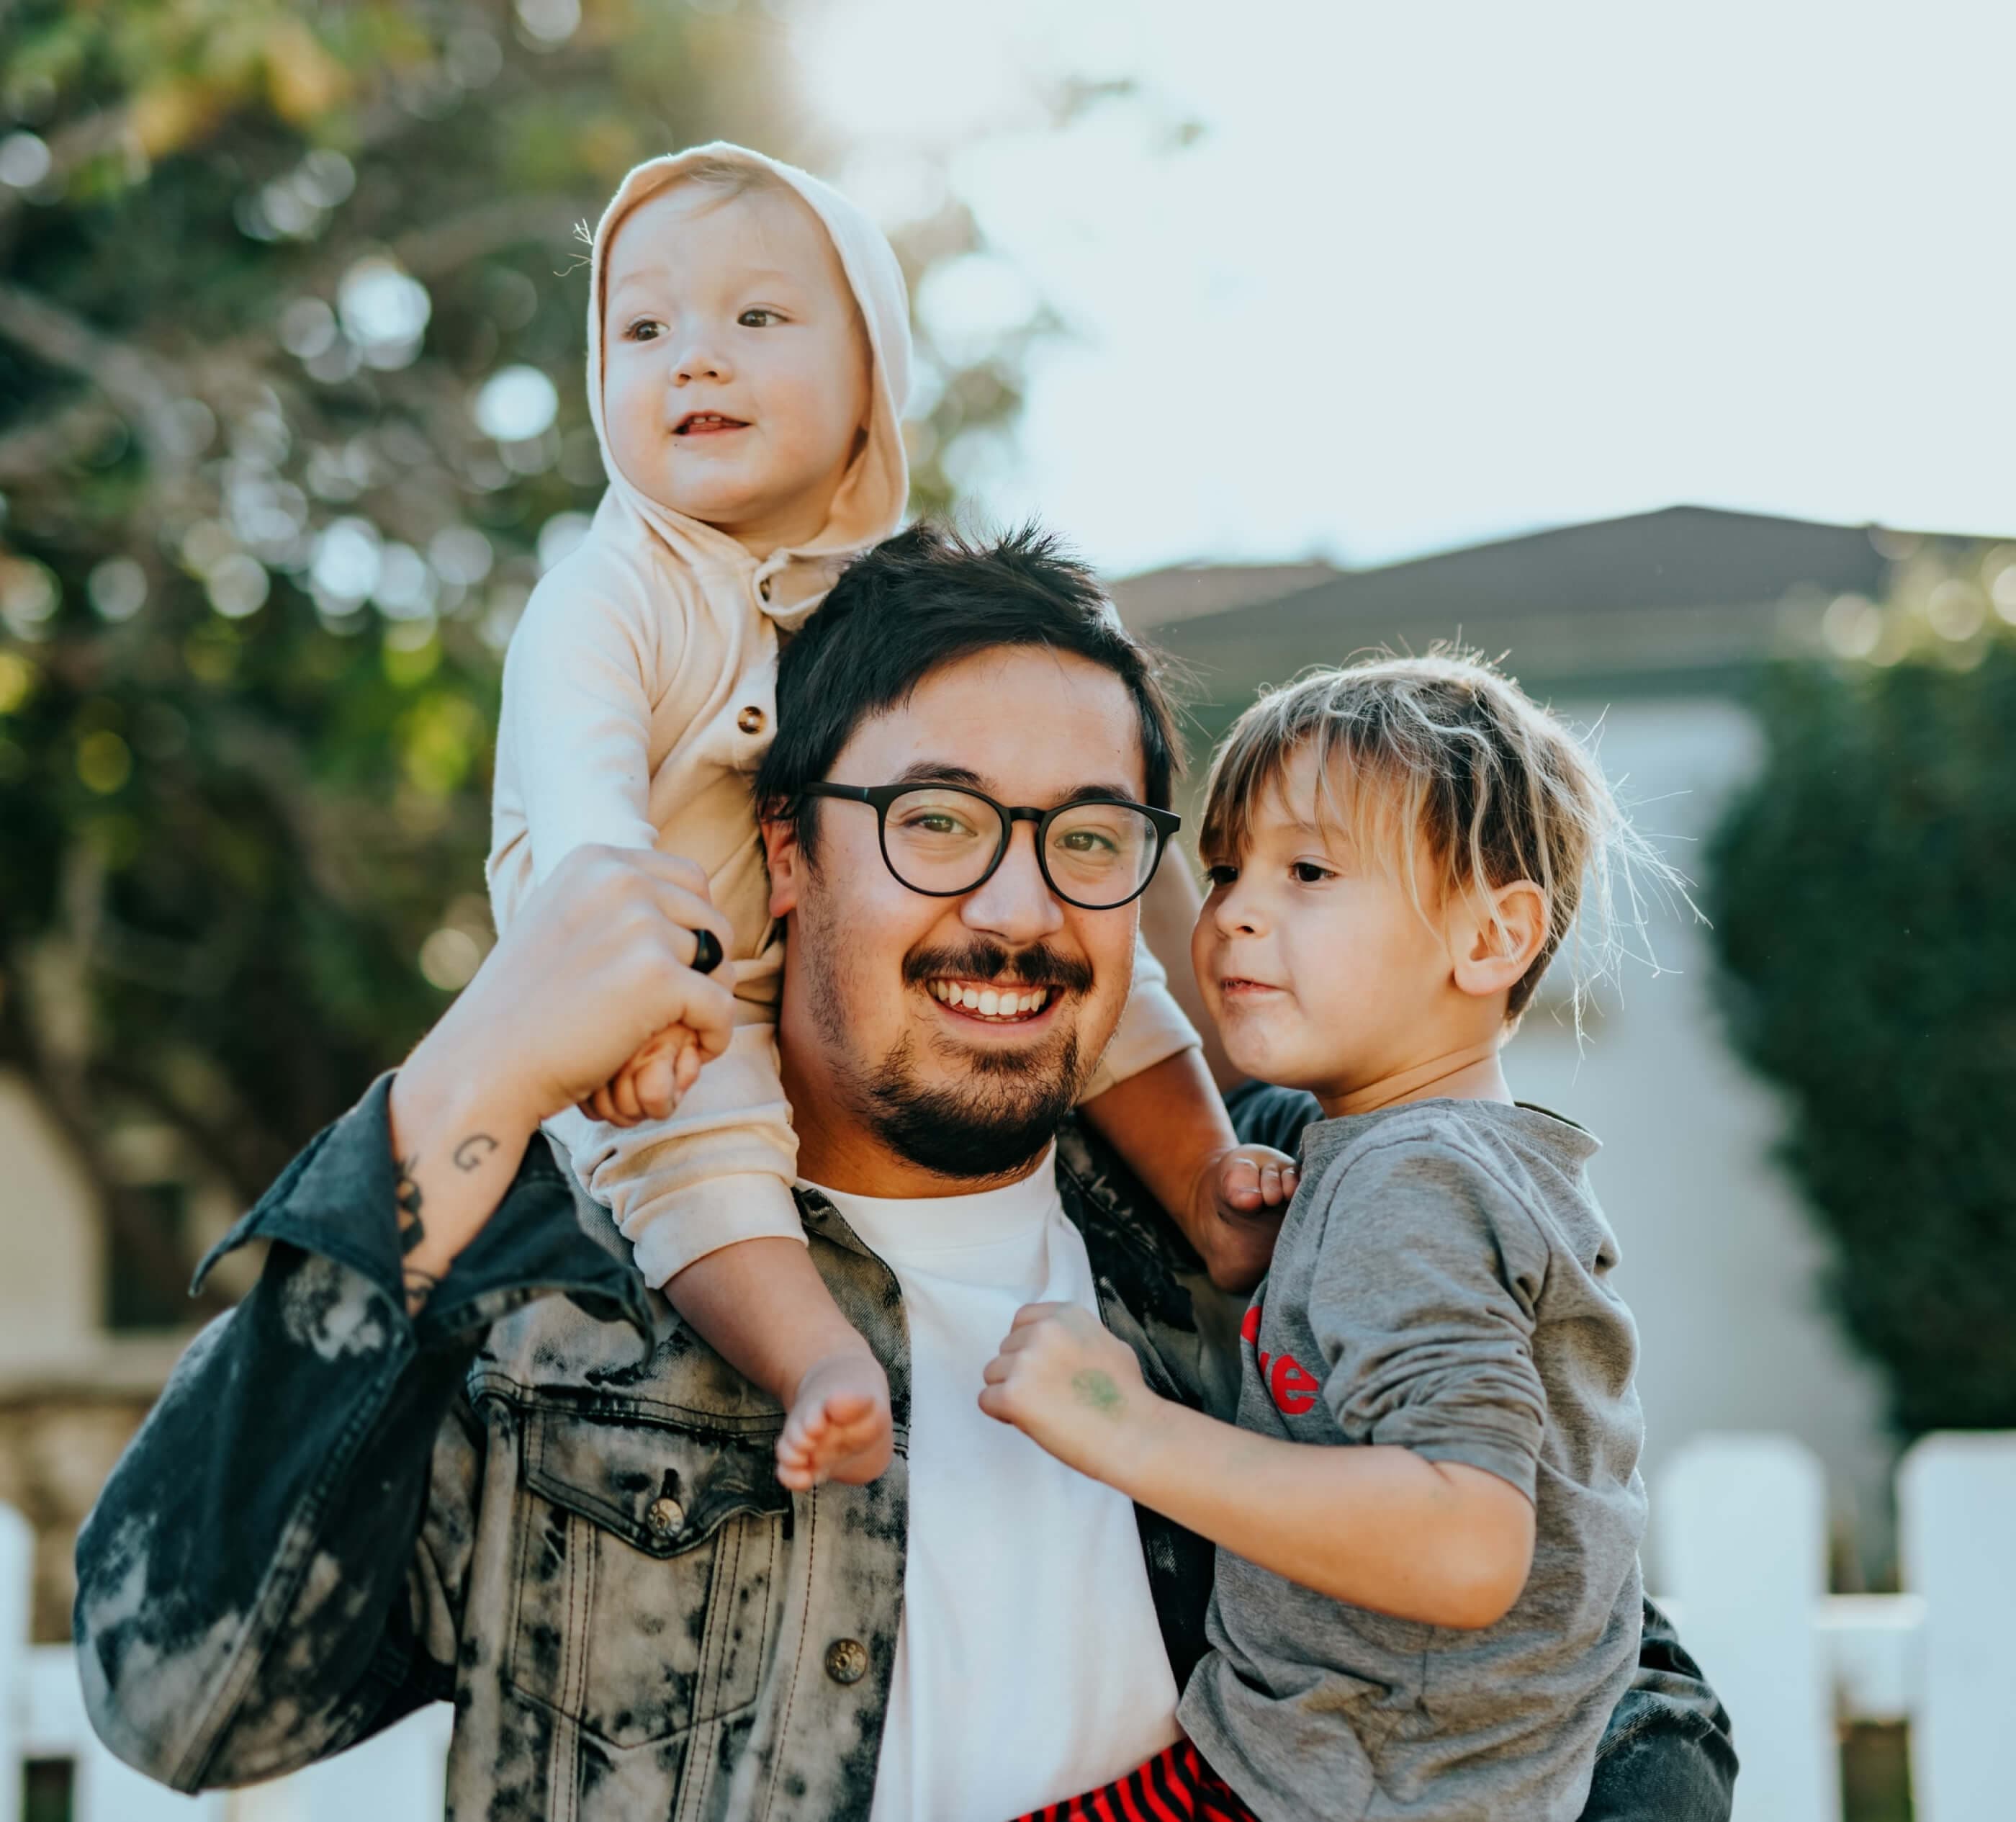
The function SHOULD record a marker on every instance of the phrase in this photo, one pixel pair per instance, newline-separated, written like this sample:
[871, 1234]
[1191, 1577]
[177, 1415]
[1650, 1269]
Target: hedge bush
[1863, 894]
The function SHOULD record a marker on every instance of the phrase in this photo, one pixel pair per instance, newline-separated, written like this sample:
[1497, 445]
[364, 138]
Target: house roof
[1687, 598]
[1191, 591]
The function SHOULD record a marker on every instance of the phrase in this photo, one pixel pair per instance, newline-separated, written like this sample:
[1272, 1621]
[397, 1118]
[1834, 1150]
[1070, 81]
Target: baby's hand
[1064, 1380]
[1241, 1195]
[652, 1083]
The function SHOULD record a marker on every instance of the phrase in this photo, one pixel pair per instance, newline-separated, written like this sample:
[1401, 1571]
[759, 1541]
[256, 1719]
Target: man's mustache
[1034, 966]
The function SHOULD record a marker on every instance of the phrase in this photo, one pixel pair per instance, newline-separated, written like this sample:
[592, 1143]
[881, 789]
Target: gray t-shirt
[1442, 1283]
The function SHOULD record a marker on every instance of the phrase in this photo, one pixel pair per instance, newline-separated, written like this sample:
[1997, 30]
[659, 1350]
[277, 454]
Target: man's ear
[786, 859]
[1494, 941]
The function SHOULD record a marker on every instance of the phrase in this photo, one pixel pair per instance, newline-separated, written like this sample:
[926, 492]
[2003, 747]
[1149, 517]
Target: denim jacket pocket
[647, 1557]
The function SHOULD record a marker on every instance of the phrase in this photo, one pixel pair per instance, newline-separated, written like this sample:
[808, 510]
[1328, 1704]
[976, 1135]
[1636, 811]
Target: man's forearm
[457, 1142]
[1378, 1527]
[1168, 1122]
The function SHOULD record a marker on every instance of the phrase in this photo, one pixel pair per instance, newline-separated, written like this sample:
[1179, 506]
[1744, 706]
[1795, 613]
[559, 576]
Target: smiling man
[339, 1512]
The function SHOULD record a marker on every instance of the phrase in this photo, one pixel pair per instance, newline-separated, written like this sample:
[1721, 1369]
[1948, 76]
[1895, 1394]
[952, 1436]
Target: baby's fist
[652, 1083]
[1244, 1192]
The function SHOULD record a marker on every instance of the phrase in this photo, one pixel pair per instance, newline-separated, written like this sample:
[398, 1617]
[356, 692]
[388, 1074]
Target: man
[340, 1511]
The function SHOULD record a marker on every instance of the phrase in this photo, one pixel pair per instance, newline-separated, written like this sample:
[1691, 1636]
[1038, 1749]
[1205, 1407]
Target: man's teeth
[990, 1002]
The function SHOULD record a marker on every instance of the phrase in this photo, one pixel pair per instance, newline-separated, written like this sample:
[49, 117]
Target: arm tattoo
[472, 1152]
[406, 1194]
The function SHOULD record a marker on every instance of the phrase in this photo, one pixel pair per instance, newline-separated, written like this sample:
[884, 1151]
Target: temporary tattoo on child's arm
[1096, 1389]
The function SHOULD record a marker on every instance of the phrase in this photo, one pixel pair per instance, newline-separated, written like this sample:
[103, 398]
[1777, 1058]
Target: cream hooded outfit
[639, 695]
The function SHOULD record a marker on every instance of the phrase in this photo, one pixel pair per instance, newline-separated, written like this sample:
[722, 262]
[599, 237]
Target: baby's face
[735, 368]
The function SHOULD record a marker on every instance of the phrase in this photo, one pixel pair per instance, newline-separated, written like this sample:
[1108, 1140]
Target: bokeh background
[1663, 352]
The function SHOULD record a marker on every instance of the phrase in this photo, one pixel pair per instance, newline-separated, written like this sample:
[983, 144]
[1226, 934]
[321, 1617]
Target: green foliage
[259, 255]
[1862, 904]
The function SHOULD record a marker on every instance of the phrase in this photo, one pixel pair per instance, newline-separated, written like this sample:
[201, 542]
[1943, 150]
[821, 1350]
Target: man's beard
[996, 1122]
[993, 1127]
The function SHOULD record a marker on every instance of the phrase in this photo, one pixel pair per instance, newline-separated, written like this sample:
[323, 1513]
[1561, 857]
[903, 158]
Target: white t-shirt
[1029, 1664]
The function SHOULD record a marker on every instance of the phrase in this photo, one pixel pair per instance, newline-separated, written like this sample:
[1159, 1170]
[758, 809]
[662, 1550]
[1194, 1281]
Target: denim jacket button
[847, 1660]
[663, 1516]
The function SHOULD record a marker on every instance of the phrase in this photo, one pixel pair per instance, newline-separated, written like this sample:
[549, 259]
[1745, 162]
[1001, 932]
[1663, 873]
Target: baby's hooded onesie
[639, 695]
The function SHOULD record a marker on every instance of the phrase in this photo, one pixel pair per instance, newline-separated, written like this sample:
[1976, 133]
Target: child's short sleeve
[1427, 1276]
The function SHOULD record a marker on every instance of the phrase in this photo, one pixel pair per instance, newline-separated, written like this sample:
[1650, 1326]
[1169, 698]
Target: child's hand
[1064, 1380]
[652, 1083]
[1241, 1194]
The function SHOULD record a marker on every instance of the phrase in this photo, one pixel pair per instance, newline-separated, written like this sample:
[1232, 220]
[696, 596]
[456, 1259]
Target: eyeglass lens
[941, 840]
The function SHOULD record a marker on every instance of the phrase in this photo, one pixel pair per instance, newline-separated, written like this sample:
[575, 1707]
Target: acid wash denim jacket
[548, 1501]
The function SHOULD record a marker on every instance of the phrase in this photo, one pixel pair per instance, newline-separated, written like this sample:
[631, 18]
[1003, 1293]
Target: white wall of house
[51, 1267]
[1720, 1263]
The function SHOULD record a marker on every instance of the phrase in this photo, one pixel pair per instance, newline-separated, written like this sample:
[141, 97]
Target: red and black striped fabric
[1175, 1786]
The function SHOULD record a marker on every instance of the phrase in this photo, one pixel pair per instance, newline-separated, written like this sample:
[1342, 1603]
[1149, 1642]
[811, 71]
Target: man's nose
[1016, 904]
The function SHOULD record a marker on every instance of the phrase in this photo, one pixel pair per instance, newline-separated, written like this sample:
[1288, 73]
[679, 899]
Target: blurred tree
[1862, 888]
[291, 416]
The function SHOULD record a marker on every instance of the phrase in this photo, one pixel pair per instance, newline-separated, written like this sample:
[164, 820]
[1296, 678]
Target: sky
[1355, 281]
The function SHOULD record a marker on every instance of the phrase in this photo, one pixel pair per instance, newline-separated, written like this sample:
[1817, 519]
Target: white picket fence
[1744, 1523]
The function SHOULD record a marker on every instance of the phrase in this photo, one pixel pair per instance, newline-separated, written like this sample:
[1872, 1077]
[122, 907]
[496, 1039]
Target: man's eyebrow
[931, 772]
[1086, 792]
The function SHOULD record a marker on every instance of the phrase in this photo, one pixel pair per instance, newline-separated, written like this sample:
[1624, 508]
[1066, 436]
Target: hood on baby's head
[871, 501]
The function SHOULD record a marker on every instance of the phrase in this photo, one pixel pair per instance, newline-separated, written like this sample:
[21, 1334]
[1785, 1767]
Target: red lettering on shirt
[1293, 1390]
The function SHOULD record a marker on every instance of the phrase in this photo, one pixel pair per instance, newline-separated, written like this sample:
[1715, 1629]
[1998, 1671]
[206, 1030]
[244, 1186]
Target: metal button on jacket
[663, 1516]
[751, 720]
[847, 1660]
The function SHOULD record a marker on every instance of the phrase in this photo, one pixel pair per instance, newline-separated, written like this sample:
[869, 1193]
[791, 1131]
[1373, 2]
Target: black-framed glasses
[946, 840]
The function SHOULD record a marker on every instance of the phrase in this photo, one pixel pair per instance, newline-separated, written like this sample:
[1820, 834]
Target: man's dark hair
[926, 598]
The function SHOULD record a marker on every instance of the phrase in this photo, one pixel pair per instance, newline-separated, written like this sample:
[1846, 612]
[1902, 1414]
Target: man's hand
[1236, 1209]
[1064, 1380]
[595, 964]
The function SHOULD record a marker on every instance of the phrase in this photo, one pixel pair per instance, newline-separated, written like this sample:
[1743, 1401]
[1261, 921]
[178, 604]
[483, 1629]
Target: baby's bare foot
[838, 1427]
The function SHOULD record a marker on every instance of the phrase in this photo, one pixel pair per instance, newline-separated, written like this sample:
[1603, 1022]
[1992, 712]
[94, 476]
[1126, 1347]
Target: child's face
[735, 369]
[1315, 964]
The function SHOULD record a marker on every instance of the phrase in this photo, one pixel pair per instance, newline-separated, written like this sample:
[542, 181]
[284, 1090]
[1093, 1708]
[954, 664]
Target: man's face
[895, 1089]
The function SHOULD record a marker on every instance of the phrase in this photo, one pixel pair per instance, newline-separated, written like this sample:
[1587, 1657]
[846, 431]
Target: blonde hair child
[1428, 1512]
